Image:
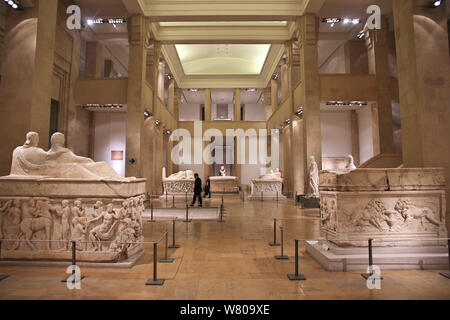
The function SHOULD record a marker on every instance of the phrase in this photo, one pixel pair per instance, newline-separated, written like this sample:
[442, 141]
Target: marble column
[160, 83]
[378, 52]
[139, 30]
[274, 94]
[268, 102]
[236, 167]
[237, 105]
[207, 104]
[171, 99]
[177, 102]
[355, 136]
[422, 46]
[284, 80]
[93, 66]
[297, 157]
[308, 27]
[43, 69]
[287, 169]
[158, 159]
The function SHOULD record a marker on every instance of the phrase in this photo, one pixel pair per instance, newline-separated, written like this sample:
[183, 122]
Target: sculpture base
[177, 188]
[334, 258]
[309, 202]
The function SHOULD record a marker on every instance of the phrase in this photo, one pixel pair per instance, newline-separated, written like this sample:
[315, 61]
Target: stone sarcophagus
[383, 204]
[54, 197]
[266, 189]
[178, 184]
[224, 184]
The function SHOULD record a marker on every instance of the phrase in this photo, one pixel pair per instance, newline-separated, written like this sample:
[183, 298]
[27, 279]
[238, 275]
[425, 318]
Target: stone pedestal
[86, 211]
[225, 184]
[309, 202]
[398, 208]
[266, 190]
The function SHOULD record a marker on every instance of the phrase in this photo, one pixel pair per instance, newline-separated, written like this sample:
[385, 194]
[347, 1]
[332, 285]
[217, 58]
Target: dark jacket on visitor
[198, 186]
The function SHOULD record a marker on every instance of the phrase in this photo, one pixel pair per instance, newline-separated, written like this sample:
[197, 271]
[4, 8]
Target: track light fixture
[147, 113]
[14, 4]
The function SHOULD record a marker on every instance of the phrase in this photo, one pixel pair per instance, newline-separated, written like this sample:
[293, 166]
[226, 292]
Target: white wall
[255, 112]
[336, 134]
[335, 63]
[365, 133]
[190, 112]
[110, 135]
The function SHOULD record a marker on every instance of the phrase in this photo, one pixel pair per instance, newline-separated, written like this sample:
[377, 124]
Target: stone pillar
[355, 136]
[177, 102]
[308, 27]
[207, 104]
[158, 159]
[237, 104]
[139, 30]
[171, 100]
[274, 94]
[375, 130]
[93, 67]
[378, 52]
[422, 46]
[236, 168]
[160, 84]
[43, 69]
[268, 102]
[287, 149]
[284, 80]
[109, 67]
[297, 157]
[208, 169]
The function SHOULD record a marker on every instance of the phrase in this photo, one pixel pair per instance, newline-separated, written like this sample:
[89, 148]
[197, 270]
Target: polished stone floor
[230, 260]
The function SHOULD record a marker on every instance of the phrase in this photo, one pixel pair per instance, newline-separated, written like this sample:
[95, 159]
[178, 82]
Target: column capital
[377, 37]
[308, 29]
[139, 30]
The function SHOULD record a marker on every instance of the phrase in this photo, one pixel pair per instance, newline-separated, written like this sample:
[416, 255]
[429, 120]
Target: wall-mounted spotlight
[167, 131]
[147, 113]
[360, 35]
[275, 76]
[299, 111]
[13, 4]
[158, 122]
[288, 121]
[169, 76]
[193, 90]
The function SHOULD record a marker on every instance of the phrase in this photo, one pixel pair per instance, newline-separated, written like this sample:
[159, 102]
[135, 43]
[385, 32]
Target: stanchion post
[262, 196]
[277, 196]
[296, 275]
[187, 215]
[173, 246]
[222, 199]
[447, 274]
[367, 275]
[155, 281]
[166, 196]
[274, 243]
[221, 213]
[173, 201]
[185, 197]
[166, 258]
[74, 263]
[151, 213]
[2, 276]
[282, 256]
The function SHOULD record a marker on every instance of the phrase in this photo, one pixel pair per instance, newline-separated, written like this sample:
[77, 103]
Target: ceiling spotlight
[14, 4]
[157, 122]
[356, 21]
[90, 22]
[437, 3]
[347, 21]
[147, 113]
[193, 90]
[360, 35]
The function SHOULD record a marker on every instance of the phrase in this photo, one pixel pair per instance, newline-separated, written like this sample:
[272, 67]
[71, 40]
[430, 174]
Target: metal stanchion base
[174, 246]
[151, 282]
[220, 220]
[447, 275]
[274, 244]
[67, 279]
[187, 221]
[3, 276]
[296, 277]
[367, 275]
[168, 260]
[283, 257]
